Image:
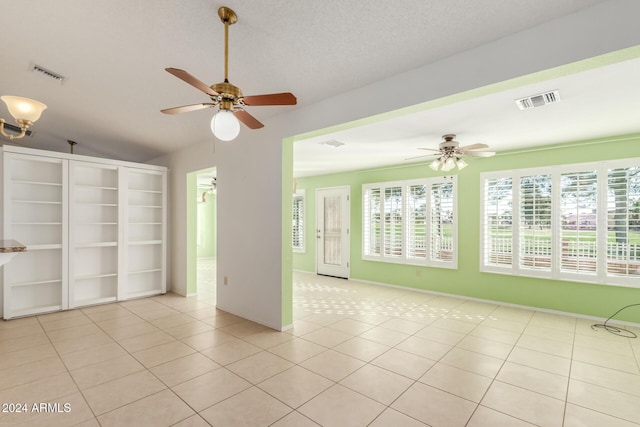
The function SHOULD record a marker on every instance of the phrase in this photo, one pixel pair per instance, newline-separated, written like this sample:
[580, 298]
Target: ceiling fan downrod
[228, 17]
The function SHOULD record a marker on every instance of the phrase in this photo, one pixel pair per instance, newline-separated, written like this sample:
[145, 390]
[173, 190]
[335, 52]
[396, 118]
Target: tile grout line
[145, 368]
[493, 380]
[67, 368]
[566, 395]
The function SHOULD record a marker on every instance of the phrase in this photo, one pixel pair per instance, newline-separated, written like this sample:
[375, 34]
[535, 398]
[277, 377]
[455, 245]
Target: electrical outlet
[226, 280]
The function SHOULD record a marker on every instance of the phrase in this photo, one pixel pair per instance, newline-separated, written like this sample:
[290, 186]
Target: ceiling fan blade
[285, 98]
[420, 157]
[248, 120]
[429, 149]
[186, 108]
[188, 78]
[480, 153]
[473, 147]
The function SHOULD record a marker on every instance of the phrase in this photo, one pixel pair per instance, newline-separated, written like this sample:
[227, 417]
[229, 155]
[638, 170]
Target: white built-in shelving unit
[144, 232]
[94, 234]
[35, 213]
[95, 230]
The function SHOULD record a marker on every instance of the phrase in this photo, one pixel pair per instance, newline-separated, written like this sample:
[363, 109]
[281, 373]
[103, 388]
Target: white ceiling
[113, 54]
[597, 103]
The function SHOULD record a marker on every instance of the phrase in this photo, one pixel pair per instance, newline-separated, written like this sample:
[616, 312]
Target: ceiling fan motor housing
[449, 145]
[229, 94]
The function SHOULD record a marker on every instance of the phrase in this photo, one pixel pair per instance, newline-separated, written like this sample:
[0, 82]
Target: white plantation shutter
[442, 217]
[416, 221]
[411, 222]
[298, 221]
[497, 220]
[371, 232]
[570, 222]
[535, 222]
[578, 221]
[393, 214]
[623, 221]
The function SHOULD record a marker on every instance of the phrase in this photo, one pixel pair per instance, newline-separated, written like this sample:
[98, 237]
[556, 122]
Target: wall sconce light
[24, 110]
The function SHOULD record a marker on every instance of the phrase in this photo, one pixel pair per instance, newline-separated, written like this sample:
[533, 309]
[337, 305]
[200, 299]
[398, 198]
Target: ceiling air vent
[539, 100]
[48, 73]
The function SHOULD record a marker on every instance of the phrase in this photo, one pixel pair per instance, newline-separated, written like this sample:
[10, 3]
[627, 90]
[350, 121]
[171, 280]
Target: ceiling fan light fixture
[435, 165]
[448, 164]
[225, 126]
[450, 154]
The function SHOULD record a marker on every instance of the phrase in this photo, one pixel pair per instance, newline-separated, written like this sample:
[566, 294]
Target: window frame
[381, 255]
[601, 275]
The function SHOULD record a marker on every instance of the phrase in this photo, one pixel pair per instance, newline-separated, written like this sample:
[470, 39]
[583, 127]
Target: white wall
[249, 168]
[249, 226]
[181, 162]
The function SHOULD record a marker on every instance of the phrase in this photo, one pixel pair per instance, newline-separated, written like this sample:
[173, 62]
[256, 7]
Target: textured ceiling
[113, 54]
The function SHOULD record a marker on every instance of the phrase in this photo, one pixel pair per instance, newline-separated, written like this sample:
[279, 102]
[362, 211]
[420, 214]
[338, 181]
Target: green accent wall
[467, 280]
[206, 225]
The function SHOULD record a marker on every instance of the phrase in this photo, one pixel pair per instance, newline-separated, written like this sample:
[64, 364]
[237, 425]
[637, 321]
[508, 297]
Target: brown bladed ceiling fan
[227, 96]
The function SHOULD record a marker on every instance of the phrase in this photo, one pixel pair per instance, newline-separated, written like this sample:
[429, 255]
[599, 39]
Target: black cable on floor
[615, 330]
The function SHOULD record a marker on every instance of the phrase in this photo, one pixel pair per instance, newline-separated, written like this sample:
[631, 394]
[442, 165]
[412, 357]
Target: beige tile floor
[358, 355]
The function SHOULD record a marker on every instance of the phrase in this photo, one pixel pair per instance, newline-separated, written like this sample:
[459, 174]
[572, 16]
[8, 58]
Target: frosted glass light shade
[448, 164]
[461, 164]
[435, 164]
[23, 108]
[225, 126]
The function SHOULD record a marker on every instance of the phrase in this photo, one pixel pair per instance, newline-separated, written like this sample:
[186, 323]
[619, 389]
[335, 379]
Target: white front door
[332, 231]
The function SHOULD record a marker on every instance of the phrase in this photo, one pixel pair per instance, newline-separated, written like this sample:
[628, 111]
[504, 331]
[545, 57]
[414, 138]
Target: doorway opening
[206, 247]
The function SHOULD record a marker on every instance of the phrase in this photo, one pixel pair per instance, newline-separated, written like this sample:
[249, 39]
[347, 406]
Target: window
[298, 221]
[393, 214]
[441, 238]
[498, 232]
[372, 229]
[417, 222]
[571, 222]
[535, 222]
[623, 221]
[578, 219]
[411, 222]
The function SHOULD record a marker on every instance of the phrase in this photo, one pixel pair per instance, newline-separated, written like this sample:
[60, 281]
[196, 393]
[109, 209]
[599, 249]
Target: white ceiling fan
[450, 153]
